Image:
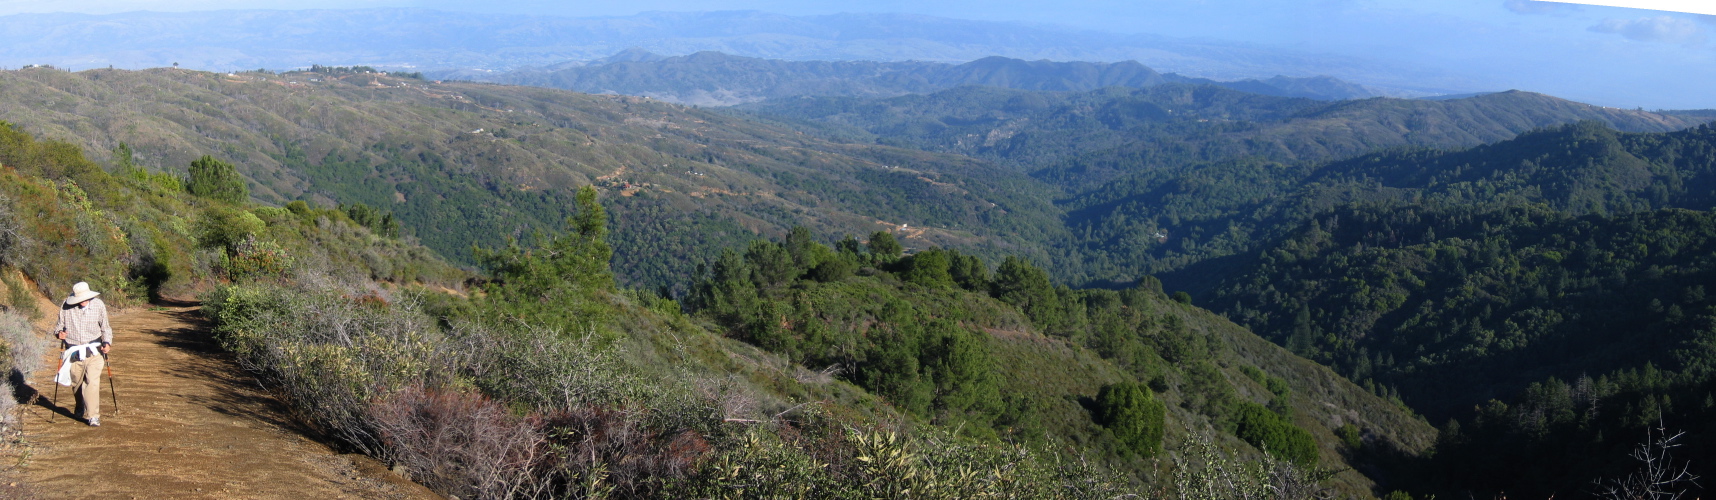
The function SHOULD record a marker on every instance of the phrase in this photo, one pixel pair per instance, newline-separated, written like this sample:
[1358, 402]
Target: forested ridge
[1543, 299]
[1206, 212]
[1592, 328]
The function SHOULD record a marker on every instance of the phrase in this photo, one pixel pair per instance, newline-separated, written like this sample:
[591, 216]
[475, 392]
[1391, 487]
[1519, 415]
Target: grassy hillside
[463, 163]
[136, 236]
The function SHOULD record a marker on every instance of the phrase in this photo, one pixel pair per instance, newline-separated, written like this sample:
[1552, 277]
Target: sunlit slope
[465, 164]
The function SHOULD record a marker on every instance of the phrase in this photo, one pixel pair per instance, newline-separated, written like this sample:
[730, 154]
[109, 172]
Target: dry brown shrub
[636, 459]
[470, 446]
[462, 444]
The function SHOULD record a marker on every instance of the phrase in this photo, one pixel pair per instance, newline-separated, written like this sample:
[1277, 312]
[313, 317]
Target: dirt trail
[190, 424]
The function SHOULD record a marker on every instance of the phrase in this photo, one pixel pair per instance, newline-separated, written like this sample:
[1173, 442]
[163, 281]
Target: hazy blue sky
[1563, 49]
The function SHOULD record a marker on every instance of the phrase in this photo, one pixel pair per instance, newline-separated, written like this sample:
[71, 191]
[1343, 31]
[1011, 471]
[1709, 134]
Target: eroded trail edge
[190, 424]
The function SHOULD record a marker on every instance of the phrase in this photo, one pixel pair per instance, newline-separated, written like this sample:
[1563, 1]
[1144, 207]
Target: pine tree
[216, 180]
[883, 243]
[1132, 412]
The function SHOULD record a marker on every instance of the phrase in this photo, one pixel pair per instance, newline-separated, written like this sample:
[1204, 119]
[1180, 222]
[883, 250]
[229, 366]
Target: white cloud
[1538, 7]
[1668, 29]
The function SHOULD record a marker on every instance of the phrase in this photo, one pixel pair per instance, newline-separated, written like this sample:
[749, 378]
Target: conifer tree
[1132, 412]
[883, 243]
[216, 180]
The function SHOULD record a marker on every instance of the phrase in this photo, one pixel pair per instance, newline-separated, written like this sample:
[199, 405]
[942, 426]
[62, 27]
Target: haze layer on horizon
[1603, 55]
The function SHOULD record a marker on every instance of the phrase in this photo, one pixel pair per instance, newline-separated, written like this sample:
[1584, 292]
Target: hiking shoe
[95, 422]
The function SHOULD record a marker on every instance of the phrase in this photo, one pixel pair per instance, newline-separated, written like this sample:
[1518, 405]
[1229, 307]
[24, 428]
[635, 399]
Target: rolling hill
[717, 79]
[463, 163]
[1082, 139]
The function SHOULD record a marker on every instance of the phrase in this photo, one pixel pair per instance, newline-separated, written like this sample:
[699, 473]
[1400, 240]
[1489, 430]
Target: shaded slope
[1220, 209]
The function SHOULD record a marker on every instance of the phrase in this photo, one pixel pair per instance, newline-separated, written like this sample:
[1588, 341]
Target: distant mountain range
[718, 79]
[427, 39]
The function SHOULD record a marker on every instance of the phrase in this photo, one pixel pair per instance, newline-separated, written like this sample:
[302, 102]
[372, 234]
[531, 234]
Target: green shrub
[928, 268]
[1350, 436]
[378, 222]
[18, 297]
[272, 215]
[1132, 412]
[882, 243]
[854, 463]
[834, 269]
[1267, 430]
[252, 259]
[223, 227]
[216, 180]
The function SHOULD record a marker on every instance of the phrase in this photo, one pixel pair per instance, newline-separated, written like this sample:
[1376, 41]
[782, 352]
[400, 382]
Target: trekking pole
[56, 391]
[112, 388]
[56, 383]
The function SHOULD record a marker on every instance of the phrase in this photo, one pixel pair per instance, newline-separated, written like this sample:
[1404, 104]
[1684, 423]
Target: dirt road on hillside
[190, 424]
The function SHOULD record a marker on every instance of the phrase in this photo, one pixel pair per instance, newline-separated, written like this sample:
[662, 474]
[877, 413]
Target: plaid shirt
[85, 324]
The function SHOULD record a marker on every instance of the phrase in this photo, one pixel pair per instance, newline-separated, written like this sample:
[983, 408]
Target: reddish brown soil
[190, 424]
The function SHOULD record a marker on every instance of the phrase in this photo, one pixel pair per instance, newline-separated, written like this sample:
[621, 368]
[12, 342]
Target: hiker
[86, 336]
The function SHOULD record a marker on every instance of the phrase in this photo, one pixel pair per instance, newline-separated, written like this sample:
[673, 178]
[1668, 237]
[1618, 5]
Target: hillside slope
[1012, 356]
[1545, 296]
[1209, 211]
[1080, 140]
[462, 164]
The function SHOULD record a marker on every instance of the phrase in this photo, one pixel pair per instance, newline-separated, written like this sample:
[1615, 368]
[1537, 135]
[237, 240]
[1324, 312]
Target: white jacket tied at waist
[90, 349]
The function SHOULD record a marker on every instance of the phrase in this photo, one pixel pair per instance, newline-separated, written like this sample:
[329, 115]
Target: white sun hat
[80, 293]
